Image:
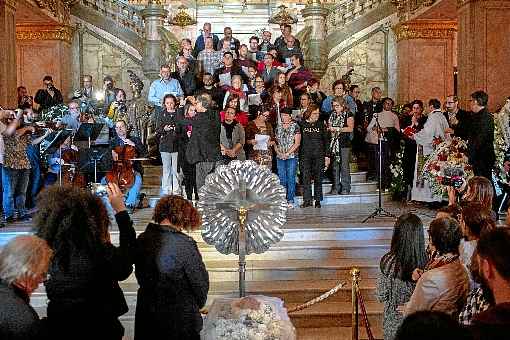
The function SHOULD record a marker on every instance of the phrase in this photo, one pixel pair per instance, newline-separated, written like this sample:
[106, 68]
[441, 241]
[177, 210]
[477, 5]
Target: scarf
[438, 260]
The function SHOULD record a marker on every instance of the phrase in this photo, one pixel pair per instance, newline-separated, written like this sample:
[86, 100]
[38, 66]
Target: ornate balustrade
[127, 16]
[343, 12]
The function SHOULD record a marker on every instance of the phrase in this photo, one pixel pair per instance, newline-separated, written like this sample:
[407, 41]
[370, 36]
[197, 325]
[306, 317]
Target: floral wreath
[449, 160]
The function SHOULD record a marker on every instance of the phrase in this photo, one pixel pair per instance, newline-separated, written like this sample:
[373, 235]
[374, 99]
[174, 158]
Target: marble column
[8, 81]
[425, 57]
[484, 49]
[316, 50]
[153, 16]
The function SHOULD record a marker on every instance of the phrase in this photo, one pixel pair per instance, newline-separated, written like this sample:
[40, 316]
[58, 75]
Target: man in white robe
[434, 128]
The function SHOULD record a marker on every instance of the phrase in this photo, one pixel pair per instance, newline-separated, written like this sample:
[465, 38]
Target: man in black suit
[481, 136]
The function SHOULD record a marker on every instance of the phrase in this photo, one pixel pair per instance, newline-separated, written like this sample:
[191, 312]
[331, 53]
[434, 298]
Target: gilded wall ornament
[64, 33]
[444, 29]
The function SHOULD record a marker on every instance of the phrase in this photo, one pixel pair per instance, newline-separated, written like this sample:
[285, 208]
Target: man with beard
[494, 269]
[209, 88]
[457, 118]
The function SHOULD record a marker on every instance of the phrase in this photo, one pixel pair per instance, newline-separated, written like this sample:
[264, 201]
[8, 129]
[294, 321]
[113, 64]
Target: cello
[122, 172]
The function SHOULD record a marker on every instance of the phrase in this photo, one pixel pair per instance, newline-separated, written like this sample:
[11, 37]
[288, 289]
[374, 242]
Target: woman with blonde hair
[24, 262]
[171, 274]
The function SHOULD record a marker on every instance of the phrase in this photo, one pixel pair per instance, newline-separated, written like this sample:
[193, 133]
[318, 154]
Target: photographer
[117, 109]
[165, 122]
[49, 96]
[24, 100]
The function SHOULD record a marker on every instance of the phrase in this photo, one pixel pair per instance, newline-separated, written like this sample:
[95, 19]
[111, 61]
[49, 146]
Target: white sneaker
[290, 205]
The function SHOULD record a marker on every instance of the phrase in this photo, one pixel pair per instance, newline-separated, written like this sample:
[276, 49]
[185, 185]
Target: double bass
[122, 172]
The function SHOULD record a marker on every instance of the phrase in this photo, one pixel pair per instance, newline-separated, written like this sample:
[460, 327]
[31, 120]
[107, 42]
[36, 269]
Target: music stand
[88, 132]
[379, 211]
[97, 158]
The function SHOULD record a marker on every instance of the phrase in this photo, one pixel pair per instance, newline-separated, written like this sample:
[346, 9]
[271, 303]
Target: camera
[98, 189]
[455, 182]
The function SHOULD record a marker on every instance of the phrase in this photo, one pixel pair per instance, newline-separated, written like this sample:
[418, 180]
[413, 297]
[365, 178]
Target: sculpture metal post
[243, 207]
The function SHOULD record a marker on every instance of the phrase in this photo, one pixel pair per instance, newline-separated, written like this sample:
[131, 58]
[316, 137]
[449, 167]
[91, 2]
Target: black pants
[189, 179]
[312, 167]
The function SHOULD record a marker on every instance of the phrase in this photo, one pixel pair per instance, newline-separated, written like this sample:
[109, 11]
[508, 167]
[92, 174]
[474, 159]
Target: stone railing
[407, 9]
[343, 12]
[125, 15]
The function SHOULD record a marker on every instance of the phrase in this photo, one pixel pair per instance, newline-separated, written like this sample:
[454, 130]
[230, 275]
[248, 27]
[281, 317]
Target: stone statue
[137, 111]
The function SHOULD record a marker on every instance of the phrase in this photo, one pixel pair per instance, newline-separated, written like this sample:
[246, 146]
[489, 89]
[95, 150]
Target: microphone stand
[379, 211]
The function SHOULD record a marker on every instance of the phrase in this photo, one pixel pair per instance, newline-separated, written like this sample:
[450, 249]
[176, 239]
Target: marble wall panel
[368, 58]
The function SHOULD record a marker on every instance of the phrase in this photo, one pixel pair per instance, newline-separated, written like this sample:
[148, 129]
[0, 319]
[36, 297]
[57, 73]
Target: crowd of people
[455, 286]
[230, 101]
[458, 286]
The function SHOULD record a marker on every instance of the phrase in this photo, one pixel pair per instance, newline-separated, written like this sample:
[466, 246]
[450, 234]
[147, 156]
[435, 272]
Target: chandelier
[182, 18]
[283, 16]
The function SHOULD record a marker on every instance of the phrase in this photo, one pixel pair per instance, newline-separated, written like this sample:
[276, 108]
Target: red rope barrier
[364, 315]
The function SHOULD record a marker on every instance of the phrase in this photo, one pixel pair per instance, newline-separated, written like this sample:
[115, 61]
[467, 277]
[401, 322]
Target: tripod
[379, 211]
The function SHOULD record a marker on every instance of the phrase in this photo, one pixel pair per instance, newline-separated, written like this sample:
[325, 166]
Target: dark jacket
[18, 320]
[85, 299]
[204, 145]
[314, 139]
[45, 101]
[187, 81]
[234, 71]
[371, 107]
[481, 143]
[168, 140]
[173, 285]
[492, 324]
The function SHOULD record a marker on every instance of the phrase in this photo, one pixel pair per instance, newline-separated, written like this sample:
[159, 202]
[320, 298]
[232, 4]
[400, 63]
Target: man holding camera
[49, 96]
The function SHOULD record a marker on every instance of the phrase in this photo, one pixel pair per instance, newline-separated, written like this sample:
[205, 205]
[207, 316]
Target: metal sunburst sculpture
[243, 208]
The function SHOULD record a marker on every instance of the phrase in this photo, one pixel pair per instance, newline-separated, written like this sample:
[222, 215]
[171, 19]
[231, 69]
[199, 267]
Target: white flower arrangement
[259, 319]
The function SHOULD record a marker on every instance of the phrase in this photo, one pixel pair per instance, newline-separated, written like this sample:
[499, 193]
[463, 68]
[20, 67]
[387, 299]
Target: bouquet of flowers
[249, 318]
[447, 165]
[398, 187]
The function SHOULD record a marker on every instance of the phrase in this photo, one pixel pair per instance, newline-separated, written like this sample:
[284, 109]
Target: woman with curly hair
[171, 274]
[85, 300]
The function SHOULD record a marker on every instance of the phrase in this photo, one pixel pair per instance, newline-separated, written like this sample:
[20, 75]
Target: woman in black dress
[172, 276]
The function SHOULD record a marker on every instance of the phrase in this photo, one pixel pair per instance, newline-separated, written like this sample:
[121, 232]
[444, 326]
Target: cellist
[122, 138]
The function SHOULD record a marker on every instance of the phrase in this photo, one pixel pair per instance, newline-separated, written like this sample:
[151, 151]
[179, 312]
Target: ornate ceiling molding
[63, 33]
[11, 3]
[425, 29]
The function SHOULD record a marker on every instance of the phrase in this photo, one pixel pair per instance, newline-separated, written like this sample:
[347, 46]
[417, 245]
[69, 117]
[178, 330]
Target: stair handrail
[122, 13]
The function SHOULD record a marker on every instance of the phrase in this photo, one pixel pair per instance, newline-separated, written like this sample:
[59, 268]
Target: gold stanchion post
[355, 280]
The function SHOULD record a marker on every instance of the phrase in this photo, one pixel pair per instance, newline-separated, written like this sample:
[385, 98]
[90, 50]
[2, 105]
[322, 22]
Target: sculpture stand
[242, 214]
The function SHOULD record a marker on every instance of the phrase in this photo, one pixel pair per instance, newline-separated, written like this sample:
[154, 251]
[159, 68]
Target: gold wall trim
[64, 33]
[444, 29]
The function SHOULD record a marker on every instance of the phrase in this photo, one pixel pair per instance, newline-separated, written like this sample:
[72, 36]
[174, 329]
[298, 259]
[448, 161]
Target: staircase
[362, 190]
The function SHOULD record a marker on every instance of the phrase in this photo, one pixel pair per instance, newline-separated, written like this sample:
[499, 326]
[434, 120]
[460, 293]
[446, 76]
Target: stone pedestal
[153, 16]
[425, 54]
[484, 49]
[44, 50]
[316, 50]
[7, 53]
